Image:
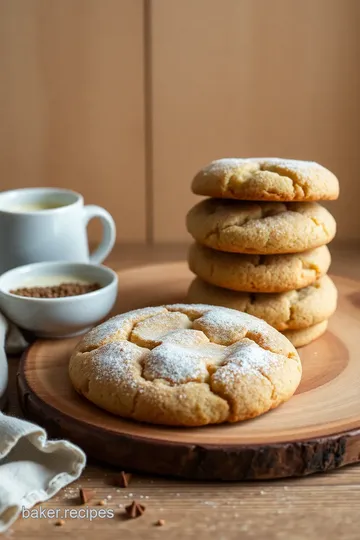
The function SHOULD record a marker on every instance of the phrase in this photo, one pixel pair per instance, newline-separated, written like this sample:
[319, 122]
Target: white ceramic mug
[49, 224]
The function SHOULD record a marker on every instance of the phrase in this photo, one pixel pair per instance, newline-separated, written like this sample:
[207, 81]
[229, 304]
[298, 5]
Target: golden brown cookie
[266, 179]
[300, 338]
[259, 273]
[260, 228]
[185, 365]
[290, 310]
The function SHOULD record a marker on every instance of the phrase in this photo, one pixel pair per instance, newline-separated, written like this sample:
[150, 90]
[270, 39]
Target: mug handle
[109, 232]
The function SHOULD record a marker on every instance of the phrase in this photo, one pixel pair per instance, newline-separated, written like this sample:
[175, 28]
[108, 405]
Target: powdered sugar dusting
[178, 363]
[304, 168]
[250, 355]
[302, 173]
[243, 359]
[186, 338]
[193, 311]
[118, 327]
[225, 326]
[224, 166]
[218, 370]
[228, 374]
[216, 343]
[117, 361]
[148, 332]
[175, 364]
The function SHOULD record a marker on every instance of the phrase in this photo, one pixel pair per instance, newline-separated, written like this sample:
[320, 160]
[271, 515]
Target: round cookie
[300, 338]
[290, 310]
[185, 365]
[260, 228]
[266, 179]
[259, 273]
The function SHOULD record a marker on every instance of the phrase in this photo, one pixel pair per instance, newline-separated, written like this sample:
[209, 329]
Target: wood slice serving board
[317, 430]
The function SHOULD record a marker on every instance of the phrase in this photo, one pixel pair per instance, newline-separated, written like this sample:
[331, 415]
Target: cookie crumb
[102, 502]
[59, 523]
[160, 523]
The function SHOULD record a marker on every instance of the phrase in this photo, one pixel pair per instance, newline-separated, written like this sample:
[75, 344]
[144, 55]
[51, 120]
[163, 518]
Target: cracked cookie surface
[290, 310]
[185, 365]
[258, 273]
[266, 179]
[260, 228]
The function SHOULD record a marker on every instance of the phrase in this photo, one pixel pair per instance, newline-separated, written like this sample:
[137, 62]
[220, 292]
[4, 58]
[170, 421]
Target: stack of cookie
[261, 242]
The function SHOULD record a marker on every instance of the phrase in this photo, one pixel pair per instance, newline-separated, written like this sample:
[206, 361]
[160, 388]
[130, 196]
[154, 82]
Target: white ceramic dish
[58, 317]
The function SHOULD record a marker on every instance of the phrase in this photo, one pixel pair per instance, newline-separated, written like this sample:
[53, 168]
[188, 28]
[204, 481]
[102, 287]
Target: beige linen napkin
[32, 468]
[11, 340]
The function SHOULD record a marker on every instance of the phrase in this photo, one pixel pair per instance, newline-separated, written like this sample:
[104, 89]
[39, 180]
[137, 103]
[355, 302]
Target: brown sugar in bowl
[58, 317]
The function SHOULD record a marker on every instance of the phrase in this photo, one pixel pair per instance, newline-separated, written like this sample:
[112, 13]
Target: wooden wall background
[124, 100]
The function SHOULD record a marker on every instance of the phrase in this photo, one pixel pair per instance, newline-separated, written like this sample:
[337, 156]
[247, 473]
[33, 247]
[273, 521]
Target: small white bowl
[57, 317]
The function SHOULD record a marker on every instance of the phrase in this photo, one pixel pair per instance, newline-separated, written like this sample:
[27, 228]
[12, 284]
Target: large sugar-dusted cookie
[266, 179]
[291, 310]
[259, 273]
[185, 365]
[260, 228]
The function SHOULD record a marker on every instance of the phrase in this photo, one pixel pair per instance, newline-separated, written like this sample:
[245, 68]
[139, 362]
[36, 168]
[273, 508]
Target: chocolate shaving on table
[86, 495]
[123, 479]
[135, 510]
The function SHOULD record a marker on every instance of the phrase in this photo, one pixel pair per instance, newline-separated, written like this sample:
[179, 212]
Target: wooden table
[317, 507]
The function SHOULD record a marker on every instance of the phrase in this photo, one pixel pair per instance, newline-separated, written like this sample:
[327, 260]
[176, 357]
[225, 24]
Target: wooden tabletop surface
[318, 507]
